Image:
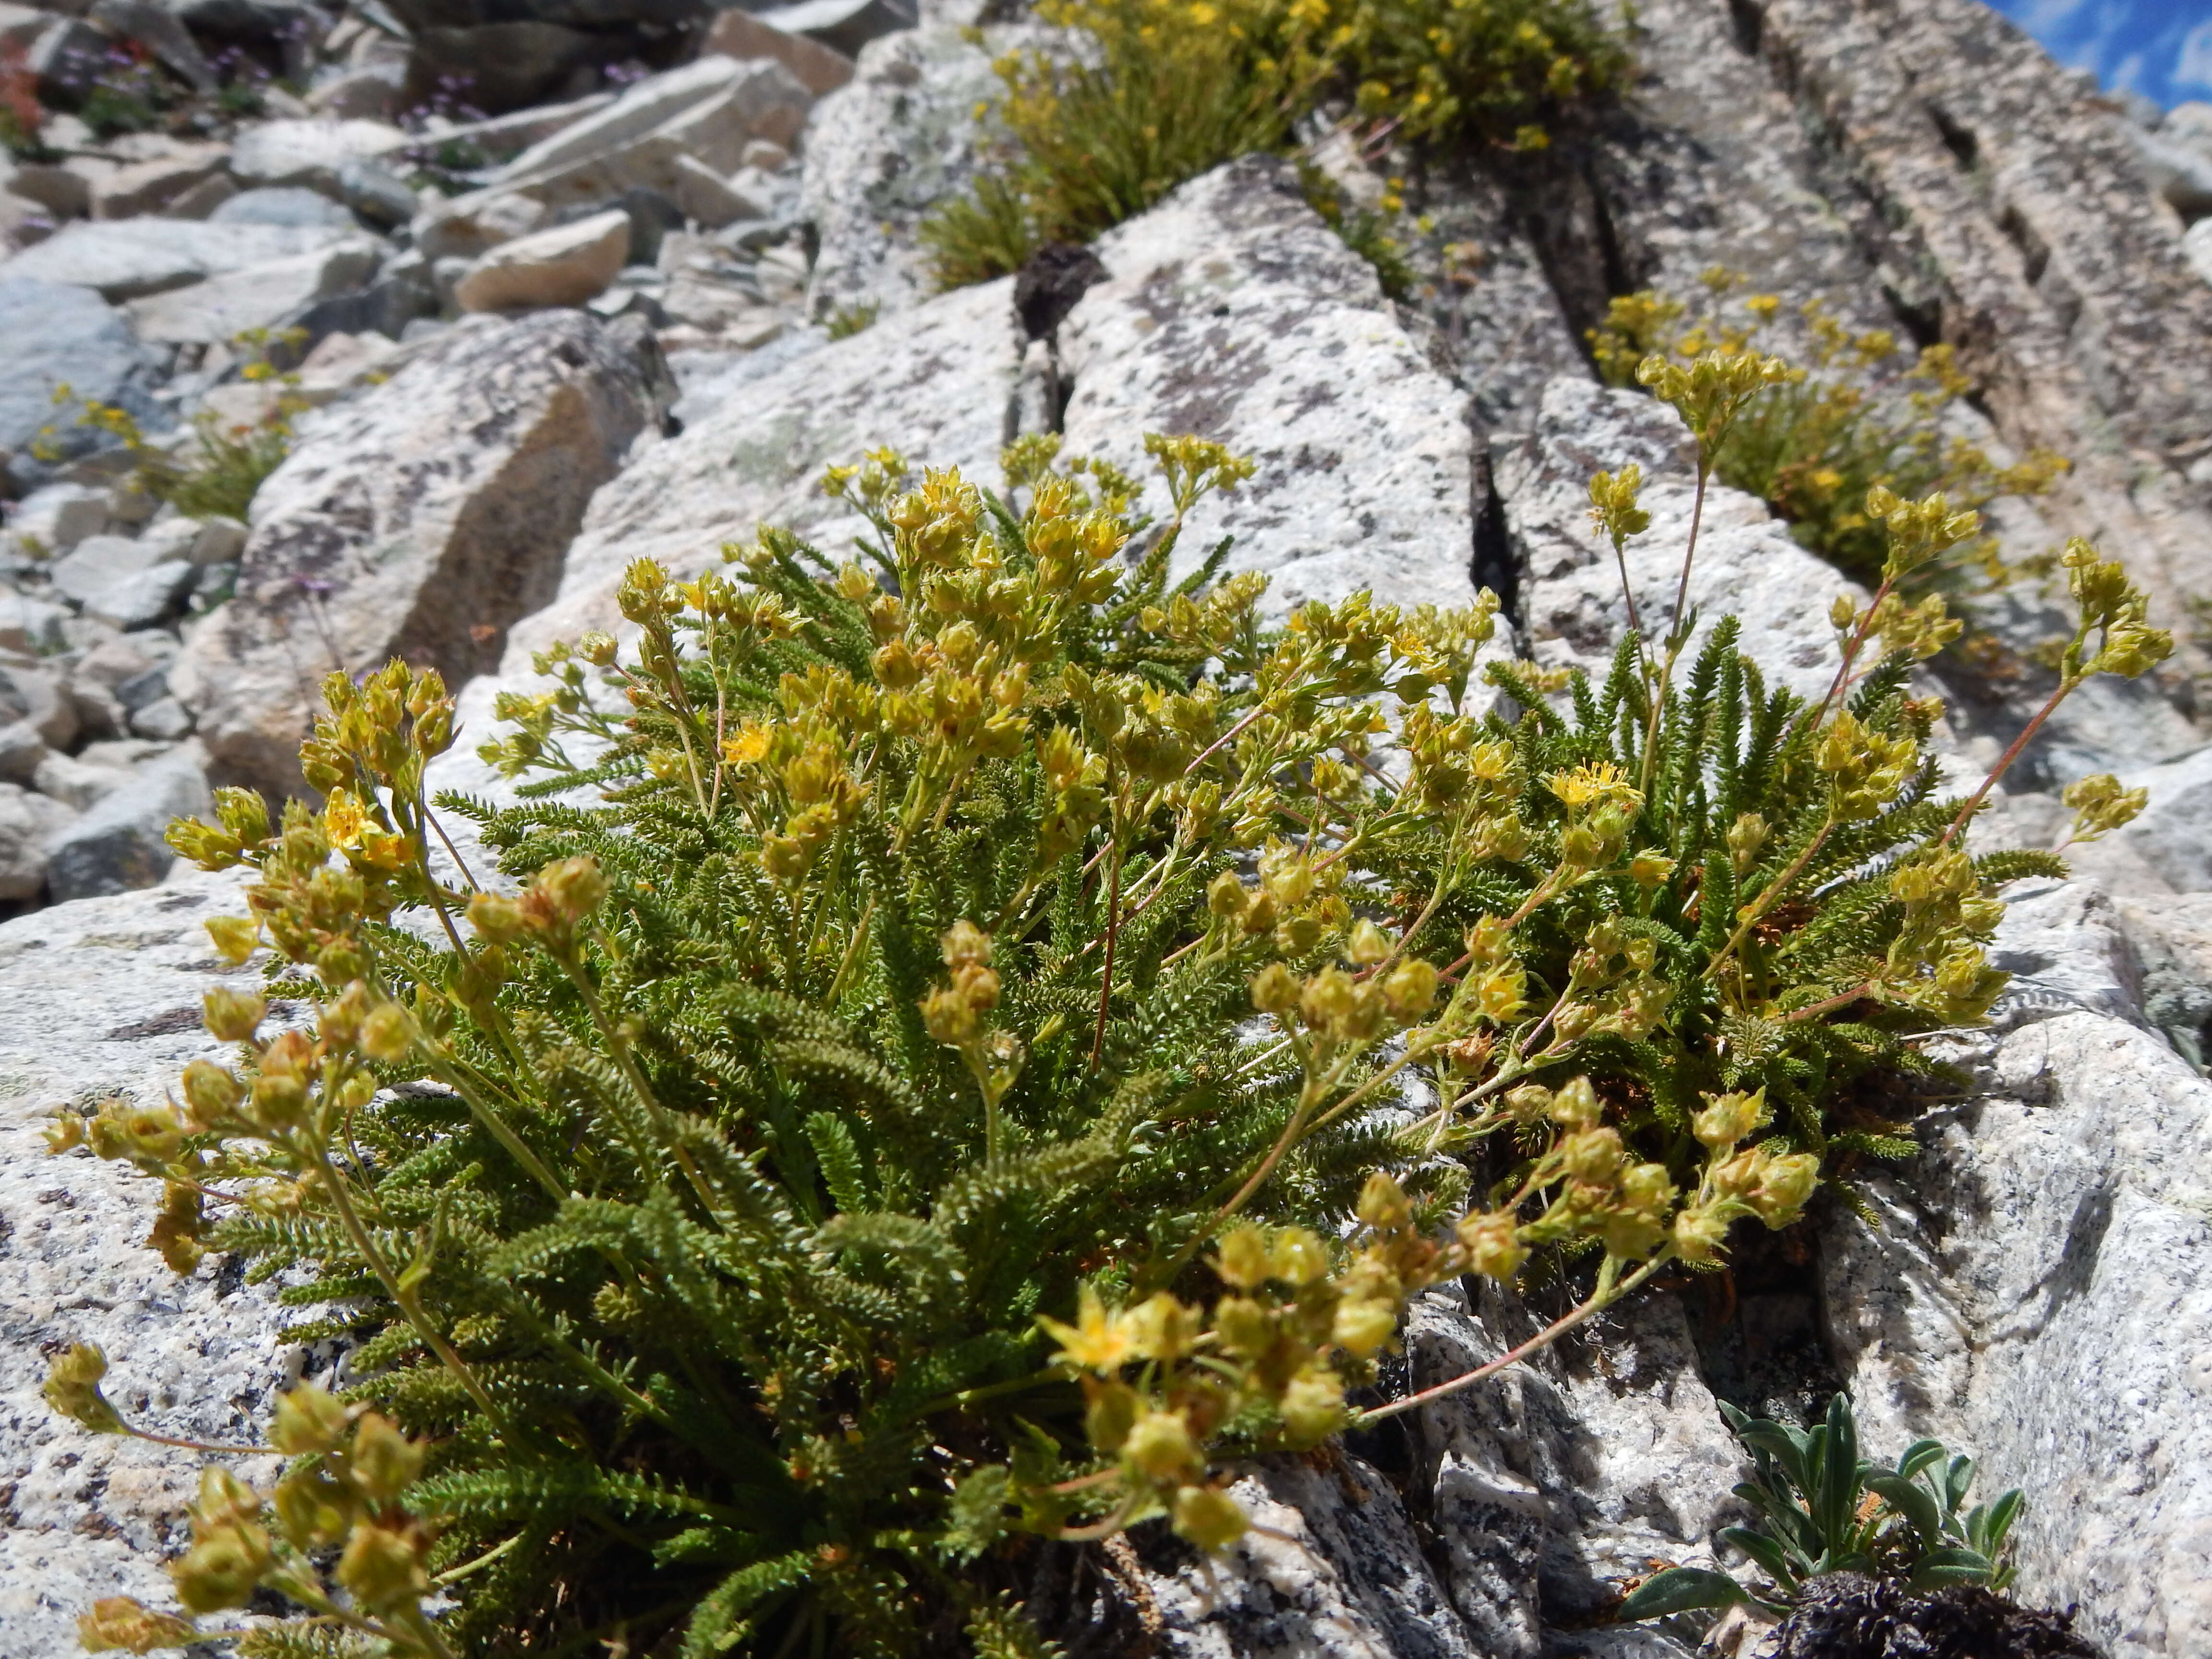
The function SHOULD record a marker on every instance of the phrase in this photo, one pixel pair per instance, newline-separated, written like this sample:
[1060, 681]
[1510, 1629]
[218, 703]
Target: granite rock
[419, 521]
[57, 517]
[1231, 312]
[283, 204]
[117, 844]
[708, 110]
[27, 819]
[1570, 600]
[740, 34]
[2038, 1290]
[1338, 1573]
[309, 153]
[564, 265]
[127, 258]
[1925, 169]
[1551, 1485]
[884, 149]
[261, 296]
[52, 333]
[103, 997]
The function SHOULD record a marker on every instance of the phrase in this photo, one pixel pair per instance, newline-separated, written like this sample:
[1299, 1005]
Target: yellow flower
[748, 746]
[1100, 1340]
[1595, 783]
[343, 819]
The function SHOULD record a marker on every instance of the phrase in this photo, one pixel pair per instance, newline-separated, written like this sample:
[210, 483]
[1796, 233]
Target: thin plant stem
[407, 1304]
[1544, 1339]
[1106, 978]
[1772, 892]
[2005, 760]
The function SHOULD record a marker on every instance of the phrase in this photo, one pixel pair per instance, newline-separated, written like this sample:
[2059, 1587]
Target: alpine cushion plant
[977, 1039]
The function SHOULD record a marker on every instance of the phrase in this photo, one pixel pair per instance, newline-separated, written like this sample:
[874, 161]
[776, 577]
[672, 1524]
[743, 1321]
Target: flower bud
[1224, 896]
[384, 1462]
[280, 1102]
[1160, 1446]
[1581, 848]
[1738, 1175]
[1362, 1326]
[73, 1390]
[1529, 1104]
[1647, 1189]
[1383, 1205]
[1109, 1412]
[1208, 1518]
[1327, 1003]
[388, 1033]
[574, 887]
[1744, 837]
[950, 1016]
[1592, 1155]
[1699, 1234]
[309, 1419]
[1297, 1257]
[340, 1019]
[965, 945]
[1783, 1186]
[224, 1500]
[1630, 1235]
[1724, 1120]
[1368, 944]
[314, 1508]
[496, 917]
[119, 1624]
[382, 1567]
[1409, 990]
[1246, 1260]
[1575, 1105]
[224, 1568]
[1493, 1248]
[1312, 1407]
[1160, 1328]
[234, 1016]
[235, 937]
[1275, 989]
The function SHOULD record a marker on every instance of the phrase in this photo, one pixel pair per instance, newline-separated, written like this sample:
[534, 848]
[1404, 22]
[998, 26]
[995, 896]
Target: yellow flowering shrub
[971, 1042]
[1861, 414]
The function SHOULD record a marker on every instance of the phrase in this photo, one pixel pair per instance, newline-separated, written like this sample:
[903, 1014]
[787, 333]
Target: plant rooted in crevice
[1824, 1510]
[1858, 417]
[972, 1042]
[1148, 93]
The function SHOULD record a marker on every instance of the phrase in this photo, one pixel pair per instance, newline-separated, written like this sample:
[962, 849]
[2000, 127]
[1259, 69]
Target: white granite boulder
[419, 520]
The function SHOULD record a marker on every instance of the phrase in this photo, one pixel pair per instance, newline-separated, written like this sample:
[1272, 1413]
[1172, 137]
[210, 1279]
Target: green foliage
[1826, 1509]
[931, 1081]
[1365, 232]
[218, 476]
[1856, 419]
[848, 320]
[1497, 75]
[1157, 92]
[974, 238]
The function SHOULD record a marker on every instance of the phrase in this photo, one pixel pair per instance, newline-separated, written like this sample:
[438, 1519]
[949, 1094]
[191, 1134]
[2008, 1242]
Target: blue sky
[2161, 48]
